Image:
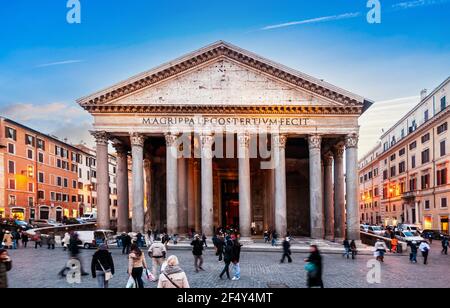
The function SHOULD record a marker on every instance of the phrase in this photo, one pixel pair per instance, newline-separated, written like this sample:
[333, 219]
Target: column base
[246, 240]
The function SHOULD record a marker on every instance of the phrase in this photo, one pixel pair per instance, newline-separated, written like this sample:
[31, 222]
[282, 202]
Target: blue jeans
[14, 244]
[102, 283]
[237, 270]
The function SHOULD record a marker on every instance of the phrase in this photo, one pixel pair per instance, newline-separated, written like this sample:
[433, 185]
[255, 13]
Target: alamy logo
[74, 14]
[374, 274]
[374, 14]
[74, 271]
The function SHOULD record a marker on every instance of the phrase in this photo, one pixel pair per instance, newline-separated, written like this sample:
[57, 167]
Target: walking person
[24, 237]
[413, 254]
[136, 265]
[227, 258]
[126, 243]
[102, 266]
[157, 252]
[204, 238]
[173, 277]
[140, 240]
[353, 249]
[197, 251]
[220, 247]
[445, 244]
[380, 250]
[394, 245]
[37, 240]
[347, 249]
[8, 240]
[66, 241]
[15, 238]
[236, 257]
[74, 254]
[314, 267]
[425, 249]
[286, 251]
[266, 237]
[5, 267]
[51, 241]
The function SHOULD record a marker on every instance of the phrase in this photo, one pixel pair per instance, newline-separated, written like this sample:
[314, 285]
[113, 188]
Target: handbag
[310, 267]
[108, 273]
[131, 284]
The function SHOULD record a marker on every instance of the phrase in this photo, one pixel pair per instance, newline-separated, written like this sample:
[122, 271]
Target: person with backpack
[157, 252]
[425, 249]
[102, 266]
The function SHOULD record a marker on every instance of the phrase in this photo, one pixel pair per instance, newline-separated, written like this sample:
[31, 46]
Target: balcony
[409, 195]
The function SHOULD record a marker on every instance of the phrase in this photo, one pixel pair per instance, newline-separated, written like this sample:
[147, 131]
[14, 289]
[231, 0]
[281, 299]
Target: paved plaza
[38, 268]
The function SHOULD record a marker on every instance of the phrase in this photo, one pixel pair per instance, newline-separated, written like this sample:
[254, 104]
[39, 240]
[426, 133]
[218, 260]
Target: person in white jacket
[66, 240]
[380, 250]
[425, 249]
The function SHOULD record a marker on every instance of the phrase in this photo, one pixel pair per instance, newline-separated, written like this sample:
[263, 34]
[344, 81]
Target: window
[393, 157]
[58, 163]
[66, 183]
[41, 195]
[413, 161]
[11, 148]
[443, 103]
[413, 145]
[30, 154]
[442, 128]
[52, 196]
[425, 181]
[29, 140]
[375, 172]
[41, 158]
[74, 184]
[12, 184]
[441, 177]
[427, 204]
[402, 167]
[11, 133]
[402, 152]
[444, 203]
[413, 184]
[11, 167]
[443, 148]
[59, 181]
[426, 138]
[426, 156]
[426, 115]
[385, 175]
[12, 200]
[41, 177]
[30, 187]
[41, 144]
[393, 171]
[30, 201]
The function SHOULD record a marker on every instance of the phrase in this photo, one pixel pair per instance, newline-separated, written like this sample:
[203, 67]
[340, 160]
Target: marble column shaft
[245, 210]
[102, 169]
[137, 152]
[328, 197]
[315, 187]
[207, 185]
[172, 183]
[123, 207]
[182, 196]
[339, 193]
[280, 184]
[353, 230]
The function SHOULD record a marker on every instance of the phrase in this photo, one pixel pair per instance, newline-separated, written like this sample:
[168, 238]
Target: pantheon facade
[223, 137]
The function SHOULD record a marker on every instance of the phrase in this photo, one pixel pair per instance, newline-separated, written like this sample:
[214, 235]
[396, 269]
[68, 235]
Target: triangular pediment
[222, 75]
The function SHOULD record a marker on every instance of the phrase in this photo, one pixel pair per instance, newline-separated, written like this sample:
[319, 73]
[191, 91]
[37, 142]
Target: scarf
[170, 270]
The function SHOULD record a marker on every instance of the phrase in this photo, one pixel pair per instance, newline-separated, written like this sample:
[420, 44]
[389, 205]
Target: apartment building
[413, 164]
[42, 177]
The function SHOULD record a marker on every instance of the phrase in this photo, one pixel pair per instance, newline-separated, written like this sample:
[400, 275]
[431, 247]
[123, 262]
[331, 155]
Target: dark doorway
[230, 203]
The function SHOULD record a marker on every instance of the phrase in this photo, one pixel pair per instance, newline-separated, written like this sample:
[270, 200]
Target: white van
[89, 217]
[92, 239]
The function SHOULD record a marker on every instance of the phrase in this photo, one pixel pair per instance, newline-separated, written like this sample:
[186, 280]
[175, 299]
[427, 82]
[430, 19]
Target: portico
[230, 138]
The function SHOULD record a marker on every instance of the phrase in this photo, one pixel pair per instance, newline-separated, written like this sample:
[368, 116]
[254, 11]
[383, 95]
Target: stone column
[339, 193]
[351, 144]
[328, 196]
[103, 213]
[182, 196]
[315, 187]
[197, 196]
[207, 140]
[149, 207]
[172, 183]
[191, 194]
[123, 208]
[137, 152]
[245, 210]
[280, 184]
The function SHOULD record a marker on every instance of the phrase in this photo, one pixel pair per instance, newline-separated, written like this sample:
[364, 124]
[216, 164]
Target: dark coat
[315, 278]
[236, 251]
[228, 253]
[4, 268]
[287, 247]
[73, 246]
[197, 248]
[105, 258]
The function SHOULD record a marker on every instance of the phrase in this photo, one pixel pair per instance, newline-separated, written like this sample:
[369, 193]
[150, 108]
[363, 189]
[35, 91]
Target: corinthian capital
[351, 141]
[328, 159]
[338, 151]
[137, 139]
[101, 137]
[171, 139]
[280, 141]
[315, 142]
[244, 140]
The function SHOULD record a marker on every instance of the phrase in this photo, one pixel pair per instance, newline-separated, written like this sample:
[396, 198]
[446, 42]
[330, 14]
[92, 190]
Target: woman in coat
[8, 239]
[136, 265]
[173, 277]
[5, 266]
[380, 250]
[314, 268]
[228, 257]
[102, 262]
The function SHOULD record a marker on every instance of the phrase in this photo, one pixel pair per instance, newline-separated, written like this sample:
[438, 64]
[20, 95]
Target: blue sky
[46, 63]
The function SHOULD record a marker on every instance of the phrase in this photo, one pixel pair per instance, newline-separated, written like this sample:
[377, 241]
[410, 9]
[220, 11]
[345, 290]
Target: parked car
[364, 228]
[14, 224]
[411, 228]
[89, 217]
[406, 236]
[376, 230]
[45, 223]
[92, 239]
[434, 234]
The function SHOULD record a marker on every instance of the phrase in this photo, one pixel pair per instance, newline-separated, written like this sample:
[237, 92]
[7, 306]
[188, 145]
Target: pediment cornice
[210, 53]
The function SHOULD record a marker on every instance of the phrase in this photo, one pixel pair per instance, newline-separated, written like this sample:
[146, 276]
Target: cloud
[53, 111]
[59, 63]
[417, 3]
[313, 20]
